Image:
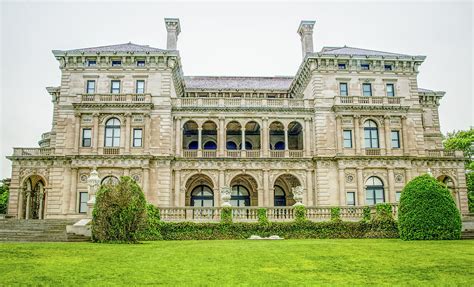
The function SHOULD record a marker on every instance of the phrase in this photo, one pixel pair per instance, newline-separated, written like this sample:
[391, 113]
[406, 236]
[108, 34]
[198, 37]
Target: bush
[4, 194]
[300, 213]
[366, 214]
[427, 211]
[470, 190]
[226, 215]
[335, 214]
[152, 230]
[262, 216]
[119, 212]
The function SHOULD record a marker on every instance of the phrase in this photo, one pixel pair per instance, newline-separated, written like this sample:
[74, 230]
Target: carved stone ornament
[349, 178]
[398, 178]
[83, 177]
[225, 196]
[136, 177]
[298, 194]
[93, 183]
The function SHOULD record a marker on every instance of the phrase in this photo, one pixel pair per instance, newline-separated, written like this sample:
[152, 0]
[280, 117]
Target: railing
[295, 153]
[111, 150]
[233, 153]
[379, 101]
[277, 153]
[242, 102]
[444, 153]
[372, 151]
[32, 151]
[252, 153]
[209, 153]
[250, 213]
[115, 98]
[190, 153]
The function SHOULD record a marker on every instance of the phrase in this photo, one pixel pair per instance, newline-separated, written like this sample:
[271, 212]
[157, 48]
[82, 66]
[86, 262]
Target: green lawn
[244, 262]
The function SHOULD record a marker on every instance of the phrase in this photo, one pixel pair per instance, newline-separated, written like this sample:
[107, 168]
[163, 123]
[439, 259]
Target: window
[374, 191]
[343, 89]
[390, 90]
[83, 198]
[115, 87]
[140, 87]
[140, 63]
[397, 196]
[367, 89]
[137, 137]
[90, 88]
[347, 138]
[364, 66]
[112, 133]
[387, 67]
[240, 196]
[341, 66]
[202, 196]
[210, 145]
[279, 196]
[91, 63]
[371, 134]
[395, 139]
[116, 63]
[86, 137]
[350, 198]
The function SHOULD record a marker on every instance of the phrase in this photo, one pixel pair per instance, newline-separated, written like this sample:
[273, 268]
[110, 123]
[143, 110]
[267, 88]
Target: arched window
[371, 134]
[279, 146]
[231, 145]
[279, 197]
[112, 133]
[110, 180]
[374, 192]
[193, 145]
[202, 196]
[248, 145]
[240, 196]
[210, 145]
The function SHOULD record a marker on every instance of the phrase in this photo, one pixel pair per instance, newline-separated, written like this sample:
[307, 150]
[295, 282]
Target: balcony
[372, 151]
[33, 151]
[111, 150]
[194, 153]
[375, 101]
[241, 103]
[115, 98]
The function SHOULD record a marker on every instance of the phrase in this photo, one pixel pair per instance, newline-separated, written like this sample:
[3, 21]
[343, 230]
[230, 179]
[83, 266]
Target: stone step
[35, 230]
[467, 234]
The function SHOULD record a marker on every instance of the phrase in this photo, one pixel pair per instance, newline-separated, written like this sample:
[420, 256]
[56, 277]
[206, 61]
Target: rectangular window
[347, 138]
[116, 63]
[83, 198]
[390, 90]
[397, 196]
[115, 87]
[371, 137]
[350, 199]
[140, 63]
[343, 89]
[91, 63]
[86, 137]
[387, 67]
[364, 66]
[140, 87]
[374, 195]
[367, 89]
[395, 139]
[137, 137]
[341, 66]
[90, 89]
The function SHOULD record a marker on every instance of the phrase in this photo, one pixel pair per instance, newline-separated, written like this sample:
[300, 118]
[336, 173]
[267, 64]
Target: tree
[119, 212]
[428, 211]
[4, 195]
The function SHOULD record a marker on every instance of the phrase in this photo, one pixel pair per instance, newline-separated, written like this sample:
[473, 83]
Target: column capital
[338, 117]
[77, 114]
[403, 117]
[128, 114]
[386, 117]
[95, 115]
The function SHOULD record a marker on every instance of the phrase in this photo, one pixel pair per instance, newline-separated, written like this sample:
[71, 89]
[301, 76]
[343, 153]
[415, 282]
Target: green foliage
[366, 214]
[470, 190]
[119, 212]
[427, 211]
[335, 214]
[4, 195]
[300, 213]
[152, 230]
[383, 217]
[226, 215]
[262, 216]
[462, 140]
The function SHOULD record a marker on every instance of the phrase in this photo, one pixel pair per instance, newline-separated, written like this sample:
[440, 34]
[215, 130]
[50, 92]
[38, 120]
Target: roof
[421, 90]
[351, 51]
[119, 48]
[238, 83]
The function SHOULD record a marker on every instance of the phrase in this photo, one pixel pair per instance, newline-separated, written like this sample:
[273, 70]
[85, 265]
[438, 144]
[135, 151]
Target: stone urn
[298, 195]
[93, 183]
[225, 196]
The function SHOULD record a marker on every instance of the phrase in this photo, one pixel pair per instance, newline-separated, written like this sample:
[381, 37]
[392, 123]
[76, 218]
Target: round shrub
[427, 211]
[119, 212]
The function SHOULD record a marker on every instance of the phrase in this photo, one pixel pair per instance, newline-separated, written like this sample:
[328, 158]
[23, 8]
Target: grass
[243, 262]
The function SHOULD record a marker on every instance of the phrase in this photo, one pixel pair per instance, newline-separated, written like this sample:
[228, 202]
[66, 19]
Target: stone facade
[184, 138]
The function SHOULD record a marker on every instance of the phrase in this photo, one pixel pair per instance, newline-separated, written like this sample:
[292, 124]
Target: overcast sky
[238, 39]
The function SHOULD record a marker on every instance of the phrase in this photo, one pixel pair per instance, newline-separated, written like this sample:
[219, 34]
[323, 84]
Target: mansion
[350, 128]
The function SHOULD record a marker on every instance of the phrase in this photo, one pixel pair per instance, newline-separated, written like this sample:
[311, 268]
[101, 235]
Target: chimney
[306, 33]
[173, 28]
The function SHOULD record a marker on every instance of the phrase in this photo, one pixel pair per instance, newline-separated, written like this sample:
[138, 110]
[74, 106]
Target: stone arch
[375, 190]
[33, 197]
[196, 180]
[253, 135]
[233, 134]
[295, 136]
[249, 182]
[451, 184]
[287, 182]
[105, 118]
[276, 131]
[208, 134]
[190, 135]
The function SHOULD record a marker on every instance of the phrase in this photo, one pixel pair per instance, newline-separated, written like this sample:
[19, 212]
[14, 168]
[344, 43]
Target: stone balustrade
[444, 153]
[193, 153]
[377, 101]
[241, 103]
[115, 98]
[32, 151]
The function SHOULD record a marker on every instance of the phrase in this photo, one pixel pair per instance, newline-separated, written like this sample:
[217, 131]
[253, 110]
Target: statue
[93, 183]
[298, 195]
[225, 196]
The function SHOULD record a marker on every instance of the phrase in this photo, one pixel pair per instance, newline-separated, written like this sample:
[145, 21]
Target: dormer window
[341, 66]
[388, 67]
[364, 66]
[141, 63]
[91, 63]
[116, 63]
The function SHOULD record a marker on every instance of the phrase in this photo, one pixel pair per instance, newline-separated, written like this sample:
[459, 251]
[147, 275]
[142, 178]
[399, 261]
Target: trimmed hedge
[290, 230]
[427, 211]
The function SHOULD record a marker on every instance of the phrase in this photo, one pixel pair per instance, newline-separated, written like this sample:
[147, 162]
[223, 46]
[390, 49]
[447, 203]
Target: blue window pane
[280, 146]
[231, 146]
[210, 145]
[193, 145]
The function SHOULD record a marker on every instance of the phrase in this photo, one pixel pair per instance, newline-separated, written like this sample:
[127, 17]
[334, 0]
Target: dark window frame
[140, 63]
[135, 138]
[397, 140]
[373, 134]
[86, 141]
[112, 86]
[365, 66]
[91, 63]
[369, 91]
[393, 90]
[116, 63]
[81, 202]
[88, 89]
[343, 84]
[345, 140]
[353, 198]
[341, 66]
[136, 86]
[114, 136]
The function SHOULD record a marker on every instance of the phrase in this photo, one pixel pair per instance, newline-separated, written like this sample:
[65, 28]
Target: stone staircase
[467, 226]
[38, 230]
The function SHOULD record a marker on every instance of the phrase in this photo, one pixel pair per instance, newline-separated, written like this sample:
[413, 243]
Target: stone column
[221, 139]
[391, 185]
[357, 138]
[178, 134]
[21, 195]
[147, 135]
[218, 200]
[342, 201]
[95, 135]
[408, 175]
[28, 204]
[71, 196]
[388, 139]
[360, 187]
[287, 153]
[41, 204]
[146, 182]
[265, 137]
[266, 190]
[199, 152]
[339, 134]
[77, 131]
[307, 137]
[406, 150]
[177, 188]
[309, 188]
[127, 132]
[243, 153]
